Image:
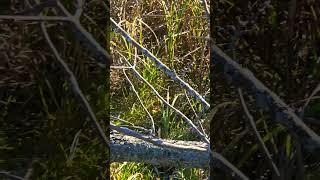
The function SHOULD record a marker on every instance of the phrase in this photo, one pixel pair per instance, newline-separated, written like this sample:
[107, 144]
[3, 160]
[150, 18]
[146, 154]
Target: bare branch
[266, 99]
[206, 7]
[79, 10]
[253, 125]
[100, 54]
[314, 92]
[8, 174]
[197, 117]
[160, 65]
[220, 162]
[75, 87]
[188, 121]
[135, 91]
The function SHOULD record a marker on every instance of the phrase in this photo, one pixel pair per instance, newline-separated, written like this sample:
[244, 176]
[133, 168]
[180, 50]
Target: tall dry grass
[175, 33]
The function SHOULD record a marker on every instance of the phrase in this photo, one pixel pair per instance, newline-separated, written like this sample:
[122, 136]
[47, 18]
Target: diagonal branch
[144, 107]
[266, 99]
[75, 87]
[160, 65]
[206, 7]
[11, 176]
[253, 125]
[187, 120]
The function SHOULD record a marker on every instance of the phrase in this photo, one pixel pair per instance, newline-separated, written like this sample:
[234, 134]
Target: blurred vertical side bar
[215, 96]
[212, 6]
[108, 84]
[211, 85]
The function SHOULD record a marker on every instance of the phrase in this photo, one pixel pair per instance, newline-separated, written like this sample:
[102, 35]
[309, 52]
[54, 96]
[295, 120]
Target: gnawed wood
[130, 149]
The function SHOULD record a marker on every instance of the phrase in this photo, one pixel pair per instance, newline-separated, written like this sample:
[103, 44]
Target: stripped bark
[125, 148]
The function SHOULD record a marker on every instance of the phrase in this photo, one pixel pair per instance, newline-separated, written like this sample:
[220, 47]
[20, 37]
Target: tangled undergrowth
[175, 32]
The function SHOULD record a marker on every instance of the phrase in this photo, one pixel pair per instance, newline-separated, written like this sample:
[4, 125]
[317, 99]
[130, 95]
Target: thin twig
[75, 87]
[206, 7]
[132, 125]
[74, 145]
[120, 67]
[188, 121]
[314, 92]
[220, 162]
[195, 113]
[253, 125]
[100, 54]
[137, 94]
[6, 173]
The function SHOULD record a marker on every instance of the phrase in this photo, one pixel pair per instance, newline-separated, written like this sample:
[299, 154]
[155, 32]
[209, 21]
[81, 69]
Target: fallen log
[130, 149]
[172, 153]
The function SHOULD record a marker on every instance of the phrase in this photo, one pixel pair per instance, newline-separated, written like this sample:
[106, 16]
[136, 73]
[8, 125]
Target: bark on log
[130, 149]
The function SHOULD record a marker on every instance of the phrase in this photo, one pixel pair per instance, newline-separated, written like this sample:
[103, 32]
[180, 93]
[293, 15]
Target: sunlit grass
[174, 32]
